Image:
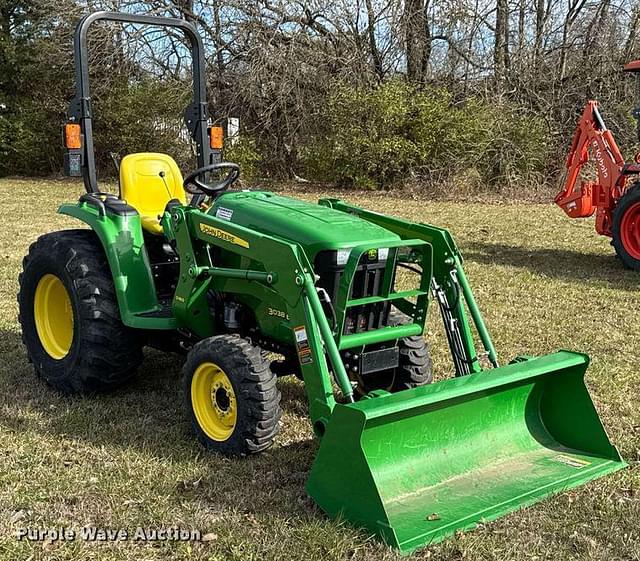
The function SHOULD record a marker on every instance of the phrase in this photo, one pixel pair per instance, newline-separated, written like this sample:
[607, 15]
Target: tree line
[365, 93]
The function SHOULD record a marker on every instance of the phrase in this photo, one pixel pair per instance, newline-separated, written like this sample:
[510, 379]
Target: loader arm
[592, 140]
[416, 465]
[449, 284]
[284, 275]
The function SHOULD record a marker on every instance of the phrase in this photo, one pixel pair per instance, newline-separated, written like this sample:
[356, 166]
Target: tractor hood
[312, 226]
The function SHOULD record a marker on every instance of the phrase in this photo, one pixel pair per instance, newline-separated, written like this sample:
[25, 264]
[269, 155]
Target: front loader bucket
[415, 466]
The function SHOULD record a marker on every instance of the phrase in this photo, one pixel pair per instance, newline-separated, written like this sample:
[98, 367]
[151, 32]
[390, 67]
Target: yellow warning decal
[571, 461]
[222, 235]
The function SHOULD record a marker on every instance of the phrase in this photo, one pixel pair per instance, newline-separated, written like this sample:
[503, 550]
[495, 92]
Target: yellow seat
[142, 186]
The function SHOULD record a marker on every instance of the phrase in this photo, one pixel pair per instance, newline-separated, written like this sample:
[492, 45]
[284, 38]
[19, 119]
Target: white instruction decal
[224, 213]
[301, 334]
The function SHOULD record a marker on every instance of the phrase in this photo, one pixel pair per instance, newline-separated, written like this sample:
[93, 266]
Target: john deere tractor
[253, 285]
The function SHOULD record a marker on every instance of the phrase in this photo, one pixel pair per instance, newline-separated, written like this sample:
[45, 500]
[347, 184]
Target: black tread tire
[104, 352]
[257, 396]
[415, 367]
[631, 197]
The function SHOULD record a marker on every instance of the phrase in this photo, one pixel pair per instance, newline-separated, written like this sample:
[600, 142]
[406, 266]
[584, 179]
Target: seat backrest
[142, 186]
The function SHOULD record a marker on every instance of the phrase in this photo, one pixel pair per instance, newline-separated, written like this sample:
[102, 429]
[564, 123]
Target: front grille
[367, 281]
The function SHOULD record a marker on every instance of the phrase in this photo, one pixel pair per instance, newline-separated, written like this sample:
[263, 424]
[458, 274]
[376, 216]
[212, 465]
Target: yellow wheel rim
[53, 316]
[214, 401]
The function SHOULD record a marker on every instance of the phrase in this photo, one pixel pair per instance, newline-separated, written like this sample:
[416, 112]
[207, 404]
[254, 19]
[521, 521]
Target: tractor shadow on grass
[562, 264]
[147, 418]
[148, 413]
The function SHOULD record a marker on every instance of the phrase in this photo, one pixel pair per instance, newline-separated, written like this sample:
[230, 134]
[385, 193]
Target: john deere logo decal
[222, 235]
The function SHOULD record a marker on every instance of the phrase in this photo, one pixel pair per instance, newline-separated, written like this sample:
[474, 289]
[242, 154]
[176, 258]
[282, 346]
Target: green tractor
[252, 285]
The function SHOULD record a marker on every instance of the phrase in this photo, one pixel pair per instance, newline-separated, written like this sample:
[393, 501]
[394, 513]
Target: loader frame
[281, 279]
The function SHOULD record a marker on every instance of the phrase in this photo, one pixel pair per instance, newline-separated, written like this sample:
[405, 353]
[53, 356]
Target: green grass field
[128, 459]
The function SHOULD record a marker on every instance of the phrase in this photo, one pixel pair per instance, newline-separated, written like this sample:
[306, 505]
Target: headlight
[342, 256]
[372, 256]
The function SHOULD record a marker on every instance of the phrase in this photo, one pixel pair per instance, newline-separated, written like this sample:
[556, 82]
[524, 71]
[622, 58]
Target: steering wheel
[192, 184]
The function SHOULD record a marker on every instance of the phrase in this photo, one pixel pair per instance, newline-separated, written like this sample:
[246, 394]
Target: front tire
[231, 396]
[69, 315]
[626, 228]
[414, 368]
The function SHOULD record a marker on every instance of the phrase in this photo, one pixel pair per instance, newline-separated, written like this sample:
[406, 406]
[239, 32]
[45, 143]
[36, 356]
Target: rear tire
[70, 318]
[626, 228]
[231, 396]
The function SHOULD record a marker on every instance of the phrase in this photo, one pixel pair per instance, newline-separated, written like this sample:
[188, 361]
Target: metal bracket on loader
[448, 275]
[403, 300]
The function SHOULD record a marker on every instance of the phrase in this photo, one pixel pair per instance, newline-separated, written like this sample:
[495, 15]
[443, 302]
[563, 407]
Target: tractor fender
[123, 243]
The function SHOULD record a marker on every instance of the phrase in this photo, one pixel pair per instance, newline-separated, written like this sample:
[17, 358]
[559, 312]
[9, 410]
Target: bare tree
[575, 7]
[501, 51]
[418, 40]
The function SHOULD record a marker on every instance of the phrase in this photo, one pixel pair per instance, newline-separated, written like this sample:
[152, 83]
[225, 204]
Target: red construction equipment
[614, 197]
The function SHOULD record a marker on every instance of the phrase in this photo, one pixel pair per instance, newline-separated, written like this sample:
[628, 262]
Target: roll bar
[196, 115]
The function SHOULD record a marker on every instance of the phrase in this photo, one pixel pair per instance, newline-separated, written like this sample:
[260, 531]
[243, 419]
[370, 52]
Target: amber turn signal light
[72, 136]
[216, 138]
